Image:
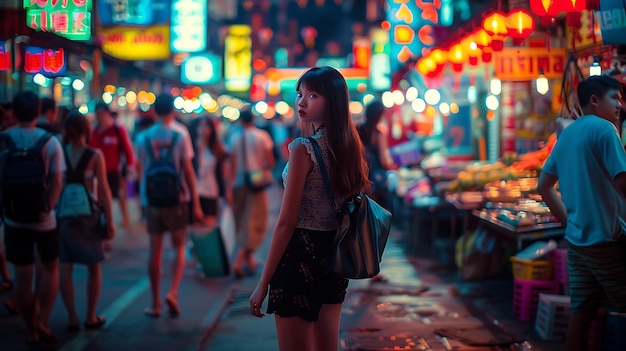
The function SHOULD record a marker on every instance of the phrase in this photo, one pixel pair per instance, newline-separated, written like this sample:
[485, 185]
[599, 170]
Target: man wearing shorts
[23, 238]
[589, 163]
[113, 140]
[173, 219]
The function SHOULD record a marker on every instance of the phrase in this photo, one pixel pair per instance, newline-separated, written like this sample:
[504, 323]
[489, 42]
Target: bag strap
[168, 153]
[76, 174]
[323, 170]
[170, 149]
[245, 153]
[42, 141]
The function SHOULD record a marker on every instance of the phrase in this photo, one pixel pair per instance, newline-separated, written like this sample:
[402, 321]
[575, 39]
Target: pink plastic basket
[526, 296]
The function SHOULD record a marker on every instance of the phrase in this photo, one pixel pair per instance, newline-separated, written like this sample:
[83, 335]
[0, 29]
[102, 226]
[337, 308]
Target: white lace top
[316, 212]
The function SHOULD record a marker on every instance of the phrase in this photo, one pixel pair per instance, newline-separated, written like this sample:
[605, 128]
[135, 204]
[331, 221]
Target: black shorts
[209, 206]
[20, 245]
[114, 179]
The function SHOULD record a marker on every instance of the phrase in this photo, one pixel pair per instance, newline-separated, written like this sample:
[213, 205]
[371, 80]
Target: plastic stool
[553, 316]
[526, 296]
[559, 264]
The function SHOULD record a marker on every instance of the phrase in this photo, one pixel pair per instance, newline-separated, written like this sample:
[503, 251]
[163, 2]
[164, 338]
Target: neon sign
[238, 58]
[189, 25]
[67, 18]
[405, 17]
[48, 62]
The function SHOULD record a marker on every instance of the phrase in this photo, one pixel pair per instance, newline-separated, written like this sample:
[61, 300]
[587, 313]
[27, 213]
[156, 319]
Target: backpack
[24, 181]
[163, 188]
[77, 209]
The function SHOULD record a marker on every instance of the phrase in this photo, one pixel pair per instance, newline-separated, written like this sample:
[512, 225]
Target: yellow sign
[518, 64]
[132, 44]
[587, 35]
[238, 59]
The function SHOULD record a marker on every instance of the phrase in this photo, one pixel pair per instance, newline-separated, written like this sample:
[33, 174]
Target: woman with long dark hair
[213, 169]
[81, 247]
[305, 298]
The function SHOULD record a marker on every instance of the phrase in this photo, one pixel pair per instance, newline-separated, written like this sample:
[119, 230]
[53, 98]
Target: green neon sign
[67, 18]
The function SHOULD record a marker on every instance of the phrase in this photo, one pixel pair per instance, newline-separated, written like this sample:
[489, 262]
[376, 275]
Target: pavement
[419, 297]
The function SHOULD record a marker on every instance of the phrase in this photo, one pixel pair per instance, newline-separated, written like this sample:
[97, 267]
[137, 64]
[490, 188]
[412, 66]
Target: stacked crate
[553, 316]
[532, 277]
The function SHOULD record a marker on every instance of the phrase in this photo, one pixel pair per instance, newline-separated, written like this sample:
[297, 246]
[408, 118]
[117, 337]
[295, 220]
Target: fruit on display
[509, 167]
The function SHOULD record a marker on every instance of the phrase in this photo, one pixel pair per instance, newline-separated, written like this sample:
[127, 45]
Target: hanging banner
[189, 25]
[238, 59]
[49, 62]
[526, 63]
[67, 18]
[133, 12]
[612, 16]
[133, 44]
[588, 34]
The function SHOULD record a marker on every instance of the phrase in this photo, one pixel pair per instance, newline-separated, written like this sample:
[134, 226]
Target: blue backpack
[163, 188]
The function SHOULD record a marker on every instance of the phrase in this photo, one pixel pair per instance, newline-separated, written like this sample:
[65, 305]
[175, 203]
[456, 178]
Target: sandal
[97, 324]
[13, 310]
[47, 337]
[6, 285]
[152, 312]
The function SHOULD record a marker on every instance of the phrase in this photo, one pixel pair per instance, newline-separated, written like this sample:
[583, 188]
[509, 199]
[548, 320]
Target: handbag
[363, 231]
[256, 179]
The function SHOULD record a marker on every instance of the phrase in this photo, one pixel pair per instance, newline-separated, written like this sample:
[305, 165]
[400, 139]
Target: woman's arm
[104, 191]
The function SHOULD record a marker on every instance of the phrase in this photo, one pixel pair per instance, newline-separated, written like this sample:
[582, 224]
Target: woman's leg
[294, 334]
[326, 329]
[94, 285]
[67, 292]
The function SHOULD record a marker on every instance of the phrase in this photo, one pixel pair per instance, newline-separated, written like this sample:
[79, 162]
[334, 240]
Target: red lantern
[495, 25]
[457, 57]
[520, 24]
[574, 9]
[546, 9]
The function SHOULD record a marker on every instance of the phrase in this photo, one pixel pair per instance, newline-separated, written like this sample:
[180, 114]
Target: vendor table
[521, 234]
[466, 207]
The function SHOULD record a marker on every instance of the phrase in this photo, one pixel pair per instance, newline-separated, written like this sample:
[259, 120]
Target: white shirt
[258, 144]
[207, 181]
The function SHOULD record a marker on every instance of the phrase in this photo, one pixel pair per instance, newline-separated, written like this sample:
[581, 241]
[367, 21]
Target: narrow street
[418, 298]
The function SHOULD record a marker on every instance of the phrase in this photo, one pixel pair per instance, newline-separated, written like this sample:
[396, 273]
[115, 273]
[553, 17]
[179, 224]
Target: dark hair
[246, 116]
[345, 146]
[373, 113]
[164, 104]
[26, 106]
[102, 106]
[47, 104]
[76, 125]
[595, 85]
[212, 141]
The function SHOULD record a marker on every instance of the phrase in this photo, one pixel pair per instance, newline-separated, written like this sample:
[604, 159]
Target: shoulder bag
[363, 230]
[256, 179]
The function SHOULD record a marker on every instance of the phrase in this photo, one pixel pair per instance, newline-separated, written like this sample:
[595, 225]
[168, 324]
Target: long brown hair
[345, 146]
[75, 126]
[212, 141]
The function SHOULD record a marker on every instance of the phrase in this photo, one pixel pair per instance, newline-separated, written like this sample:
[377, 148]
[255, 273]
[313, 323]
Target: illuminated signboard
[189, 25]
[131, 43]
[412, 28]
[48, 62]
[67, 18]
[380, 70]
[238, 59]
[5, 56]
[136, 12]
[612, 17]
[525, 63]
[202, 69]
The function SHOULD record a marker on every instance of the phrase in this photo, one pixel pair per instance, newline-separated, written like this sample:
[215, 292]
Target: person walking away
[213, 170]
[589, 163]
[304, 296]
[377, 152]
[48, 120]
[253, 150]
[113, 140]
[80, 244]
[30, 224]
[161, 159]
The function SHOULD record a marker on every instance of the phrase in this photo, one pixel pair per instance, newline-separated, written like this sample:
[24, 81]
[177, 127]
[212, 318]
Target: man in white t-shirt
[22, 236]
[251, 150]
[161, 142]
